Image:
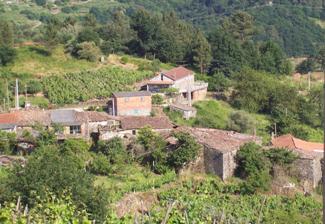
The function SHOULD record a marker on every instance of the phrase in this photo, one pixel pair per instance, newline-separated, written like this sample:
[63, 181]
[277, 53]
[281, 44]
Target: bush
[88, 51]
[186, 150]
[7, 55]
[157, 99]
[34, 86]
[51, 170]
[113, 149]
[254, 168]
[100, 165]
[280, 156]
[241, 121]
[124, 60]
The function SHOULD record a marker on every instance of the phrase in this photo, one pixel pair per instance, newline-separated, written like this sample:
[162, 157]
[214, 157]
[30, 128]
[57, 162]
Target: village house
[181, 79]
[219, 149]
[308, 166]
[131, 104]
[129, 126]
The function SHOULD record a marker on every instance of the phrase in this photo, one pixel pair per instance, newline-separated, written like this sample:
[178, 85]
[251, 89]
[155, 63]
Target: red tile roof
[178, 73]
[129, 123]
[9, 118]
[290, 142]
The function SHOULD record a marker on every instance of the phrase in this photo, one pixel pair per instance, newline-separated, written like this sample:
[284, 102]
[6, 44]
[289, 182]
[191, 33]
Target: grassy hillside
[36, 61]
[215, 114]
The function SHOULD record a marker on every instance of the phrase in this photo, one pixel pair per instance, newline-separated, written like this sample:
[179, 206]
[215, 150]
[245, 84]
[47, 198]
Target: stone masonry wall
[199, 95]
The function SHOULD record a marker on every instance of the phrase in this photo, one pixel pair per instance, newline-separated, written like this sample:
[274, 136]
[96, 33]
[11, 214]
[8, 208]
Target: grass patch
[38, 101]
[38, 62]
[132, 178]
[215, 114]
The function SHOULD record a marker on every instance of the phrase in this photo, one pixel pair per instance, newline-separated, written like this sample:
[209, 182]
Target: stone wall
[308, 172]
[229, 164]
[199, 94]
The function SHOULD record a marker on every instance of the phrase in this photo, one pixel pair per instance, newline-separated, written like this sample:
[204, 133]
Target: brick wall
[133, 106]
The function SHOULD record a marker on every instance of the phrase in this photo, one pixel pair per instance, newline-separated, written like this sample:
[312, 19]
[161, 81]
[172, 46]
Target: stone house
[185, 110]
[129, 126]
[131, 104]
[308, 166]
[182, 79]
[219, 149]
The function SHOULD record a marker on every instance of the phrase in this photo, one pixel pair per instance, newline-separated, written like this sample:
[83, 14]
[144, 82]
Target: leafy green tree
[240, 25]
[320, 57]
[273, 59]
[254, 167]
[252, 90]
[7, 142]
[149, 139]
[157, 99]
[280, 156]
[7, 55]
[117, 34]
[200, 52]
[100, 165]
[306, 66]
[227, 53]
[34, 86]
[49, 170]
[114, 150]
[218, 82]
[88, 51]
[7, 37]
[186, 150]
[242, 122]
[51, 33]
[88, 35]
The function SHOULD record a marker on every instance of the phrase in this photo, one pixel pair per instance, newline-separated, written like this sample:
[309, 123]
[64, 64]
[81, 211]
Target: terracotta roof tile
[290, 142]
[9, 118]
[129, 123]
[178, 73]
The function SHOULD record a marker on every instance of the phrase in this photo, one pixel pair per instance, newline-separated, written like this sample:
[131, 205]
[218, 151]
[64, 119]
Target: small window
[134, 132]
[126, 99]
[162, 77]
[75, 129]
[142, 98]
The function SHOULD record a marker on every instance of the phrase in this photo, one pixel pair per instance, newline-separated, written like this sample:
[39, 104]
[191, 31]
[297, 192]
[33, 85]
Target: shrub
[254, 168]
[88, 51]
[241, 121]
[113, 149]
[100, 165]
[50, 170]
[34, 86]
[150, 139]
[7, 55]
[124, 60]
[186, 150]
[280, 156]
[157, 99]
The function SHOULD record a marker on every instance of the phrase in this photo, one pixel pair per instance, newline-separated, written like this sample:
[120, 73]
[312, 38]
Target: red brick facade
[132, 105]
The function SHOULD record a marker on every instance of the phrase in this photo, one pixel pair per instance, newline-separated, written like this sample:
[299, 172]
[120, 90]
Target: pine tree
[201, 52]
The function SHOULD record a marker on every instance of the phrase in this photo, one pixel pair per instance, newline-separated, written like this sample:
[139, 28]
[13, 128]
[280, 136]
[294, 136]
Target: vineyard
[85, 85]
[211, 201]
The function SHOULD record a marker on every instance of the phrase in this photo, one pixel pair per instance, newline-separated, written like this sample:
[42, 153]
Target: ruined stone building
[308, 166]
[219, 149]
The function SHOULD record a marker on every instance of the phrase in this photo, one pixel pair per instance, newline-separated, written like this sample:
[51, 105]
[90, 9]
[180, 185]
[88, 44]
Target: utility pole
[8, 100]
[17, 96]
[309, 74]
